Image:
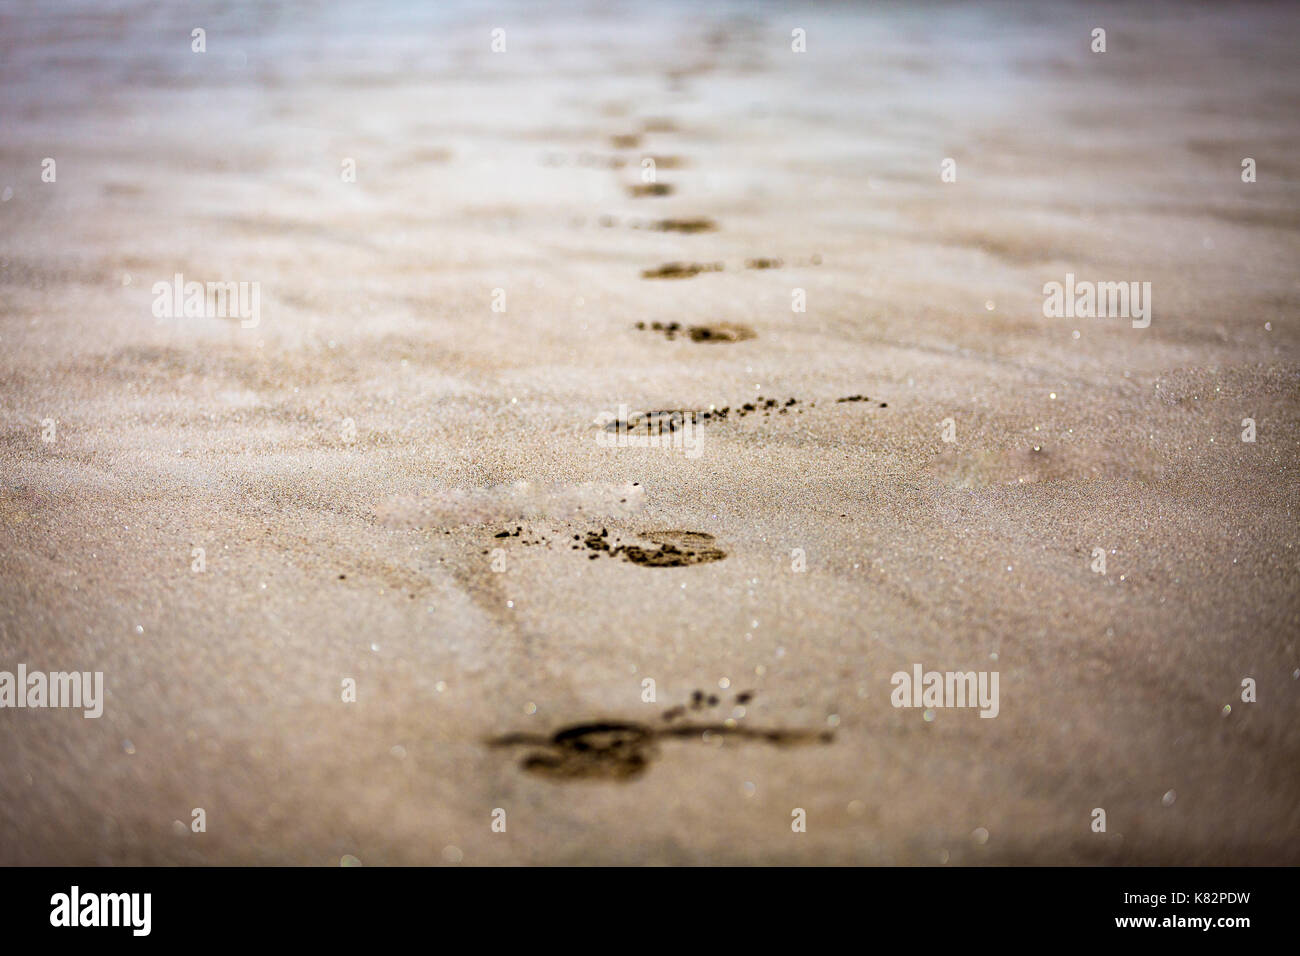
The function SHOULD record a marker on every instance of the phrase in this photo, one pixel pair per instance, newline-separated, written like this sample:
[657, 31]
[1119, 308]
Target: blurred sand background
[478, 171]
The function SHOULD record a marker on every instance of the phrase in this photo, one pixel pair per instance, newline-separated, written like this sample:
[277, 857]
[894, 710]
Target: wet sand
[395, 483]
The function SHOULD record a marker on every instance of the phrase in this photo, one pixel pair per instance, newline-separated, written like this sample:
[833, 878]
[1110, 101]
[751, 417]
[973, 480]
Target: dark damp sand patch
[642, 190]
[694, 225]
[680, 270]
[622, 750]
[673, 549]
[718, 332]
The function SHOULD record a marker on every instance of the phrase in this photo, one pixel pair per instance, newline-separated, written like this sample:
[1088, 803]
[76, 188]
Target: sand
[348, 465]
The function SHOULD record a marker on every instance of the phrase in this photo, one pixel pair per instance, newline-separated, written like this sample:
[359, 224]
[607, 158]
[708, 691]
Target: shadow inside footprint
[623, 750]
[721, 332]
[603, 750]
[680, 270]
[692, 225]
[675, 549]
[657, 422]
[642, 190]
[712, 334]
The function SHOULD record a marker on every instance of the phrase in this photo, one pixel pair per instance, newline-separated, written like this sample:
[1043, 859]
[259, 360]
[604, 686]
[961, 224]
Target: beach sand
[438, 340]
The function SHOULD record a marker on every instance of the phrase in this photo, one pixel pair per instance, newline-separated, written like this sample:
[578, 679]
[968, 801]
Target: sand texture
[418, 470]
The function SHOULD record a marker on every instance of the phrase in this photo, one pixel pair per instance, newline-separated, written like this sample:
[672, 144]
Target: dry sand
[346, 464]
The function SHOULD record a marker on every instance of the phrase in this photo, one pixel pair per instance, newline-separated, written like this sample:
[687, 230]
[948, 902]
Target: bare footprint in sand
[671, 419]
[681, 270]
[860, 398]
[713, 334]
[720, 332]
[673, 549]
[643, 190]
[622, 750]
[656, 422]
[692, 225]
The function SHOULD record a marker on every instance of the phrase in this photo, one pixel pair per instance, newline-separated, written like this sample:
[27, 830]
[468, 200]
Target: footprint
[721, 332]
[670, 419]
[763, 263]
[657, 422]
[623, 750]
[693, 225]
[642, 190]
[767, 406]
[603, 750]
[667, 420]
[673, 549]
[717, 332]
[859, 398]
[681, 270]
